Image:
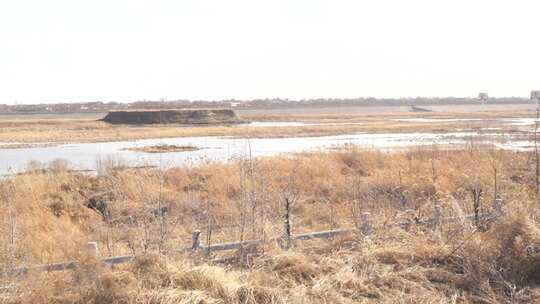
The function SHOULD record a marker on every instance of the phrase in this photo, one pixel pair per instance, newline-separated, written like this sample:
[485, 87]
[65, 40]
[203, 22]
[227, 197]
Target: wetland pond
[94, 156]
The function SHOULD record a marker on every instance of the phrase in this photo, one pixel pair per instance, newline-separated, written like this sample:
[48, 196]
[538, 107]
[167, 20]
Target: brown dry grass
[44, 218]
[164, 149]
[86, 130]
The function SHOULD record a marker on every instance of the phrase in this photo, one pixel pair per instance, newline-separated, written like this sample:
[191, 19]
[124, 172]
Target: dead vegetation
[164, 149]
[33, 131]
[46, 217]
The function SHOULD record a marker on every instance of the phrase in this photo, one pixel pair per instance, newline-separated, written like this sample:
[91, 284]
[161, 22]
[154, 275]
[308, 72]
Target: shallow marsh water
[96, 156]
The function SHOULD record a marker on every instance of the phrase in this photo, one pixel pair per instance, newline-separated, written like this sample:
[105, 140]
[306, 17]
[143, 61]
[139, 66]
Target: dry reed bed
[86, 130]
[45, 218]
[391, 267]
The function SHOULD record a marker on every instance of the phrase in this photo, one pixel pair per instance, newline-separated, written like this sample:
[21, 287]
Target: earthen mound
[199, 116]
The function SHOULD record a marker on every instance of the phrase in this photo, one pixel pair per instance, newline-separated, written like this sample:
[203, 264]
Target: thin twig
[462, 243]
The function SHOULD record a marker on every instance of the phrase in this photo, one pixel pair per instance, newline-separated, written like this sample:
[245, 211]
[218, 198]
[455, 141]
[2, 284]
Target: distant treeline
[246, 104]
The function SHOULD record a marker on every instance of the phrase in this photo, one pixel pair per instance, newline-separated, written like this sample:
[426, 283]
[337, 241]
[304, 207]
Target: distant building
[483, 97]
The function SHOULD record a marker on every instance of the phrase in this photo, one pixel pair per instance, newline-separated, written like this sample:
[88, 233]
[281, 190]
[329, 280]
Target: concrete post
[498, 206]
[435, 220]
[365, 223]
[196, 240]
[92, 248]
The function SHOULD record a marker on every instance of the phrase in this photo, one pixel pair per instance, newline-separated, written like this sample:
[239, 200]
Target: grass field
[45, 218]
[332, 121]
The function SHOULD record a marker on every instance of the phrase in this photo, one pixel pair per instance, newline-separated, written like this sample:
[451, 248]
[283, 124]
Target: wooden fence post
[92, 248]
[195, 240]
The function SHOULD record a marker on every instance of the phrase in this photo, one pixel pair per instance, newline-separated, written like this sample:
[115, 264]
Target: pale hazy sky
[125, 50]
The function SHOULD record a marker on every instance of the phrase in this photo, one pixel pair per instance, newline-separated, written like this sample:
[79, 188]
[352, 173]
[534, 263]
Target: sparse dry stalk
[477, 196]
[242, 201]
[289, 193]
[162, 211]
[536, 152]
[209, 224]
[495, 181]
[355, 196]
[433, 171]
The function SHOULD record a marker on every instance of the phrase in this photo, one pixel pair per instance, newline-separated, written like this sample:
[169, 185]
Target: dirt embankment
[164, 149]
[202, 116]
